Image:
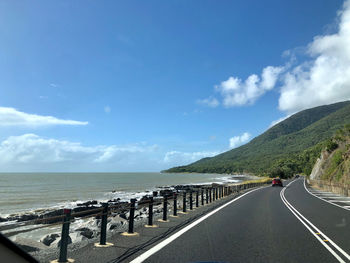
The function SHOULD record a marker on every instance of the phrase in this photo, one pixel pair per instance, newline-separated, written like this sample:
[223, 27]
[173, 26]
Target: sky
[123, 86]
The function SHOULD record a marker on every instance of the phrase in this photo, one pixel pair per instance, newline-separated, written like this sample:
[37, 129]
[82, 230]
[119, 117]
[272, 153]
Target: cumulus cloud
[239, 140]
[211, 102]
[30, 152]
[13, 117]
[182, 158]
[325, 77]
[236, 92]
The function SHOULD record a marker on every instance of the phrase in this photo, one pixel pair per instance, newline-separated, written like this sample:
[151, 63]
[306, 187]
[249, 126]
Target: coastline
[84, 231]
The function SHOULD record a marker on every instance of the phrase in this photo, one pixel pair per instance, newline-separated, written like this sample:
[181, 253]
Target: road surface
[270, 224]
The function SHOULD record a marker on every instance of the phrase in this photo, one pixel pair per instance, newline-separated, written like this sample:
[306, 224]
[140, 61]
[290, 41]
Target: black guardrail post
[191, 200]
[197, 198]
[65, 235]
[175, 204]
[131, 216]
[216, 193]
[104, 224]
[210, 198]
[184, 202]
[150, 211]
[206, 195]
[165, 208]
[202, 197]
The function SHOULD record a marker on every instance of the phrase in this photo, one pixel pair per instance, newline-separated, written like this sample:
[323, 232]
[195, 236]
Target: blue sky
[146, 85]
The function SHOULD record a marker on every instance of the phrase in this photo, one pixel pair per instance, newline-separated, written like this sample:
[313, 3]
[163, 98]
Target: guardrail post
[210, 197]
[216, 193]
[184, 202]
[202, 197]
[104, 224]
[150, 211]
[64, 235]
[197, 198]
[191, 200]
[175, 204]
[165, 207]
[206, 195]
[131, 216]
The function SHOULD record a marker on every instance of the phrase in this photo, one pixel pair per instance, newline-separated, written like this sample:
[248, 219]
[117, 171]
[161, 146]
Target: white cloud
[211, 102]
[235, 92]
[182, 158]
[325, 77]
[107, 109]
[239, 140]
[30, 152]
[13, 117]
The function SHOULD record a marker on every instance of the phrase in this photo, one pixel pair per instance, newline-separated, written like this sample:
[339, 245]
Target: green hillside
[290, 146]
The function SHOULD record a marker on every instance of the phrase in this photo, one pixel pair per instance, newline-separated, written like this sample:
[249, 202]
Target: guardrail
[203, 196]
[343, 189]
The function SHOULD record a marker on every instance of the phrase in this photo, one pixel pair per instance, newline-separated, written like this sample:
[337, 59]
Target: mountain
[291, 146]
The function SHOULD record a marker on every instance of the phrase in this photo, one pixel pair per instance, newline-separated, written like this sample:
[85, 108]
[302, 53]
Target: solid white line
[308, 228]
[322, 198]
[330, 241]
[330, 194]
[339, 197]
[165, 242]
[339, 201]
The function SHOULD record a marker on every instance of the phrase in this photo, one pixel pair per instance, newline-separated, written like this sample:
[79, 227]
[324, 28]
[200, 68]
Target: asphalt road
[259, 227]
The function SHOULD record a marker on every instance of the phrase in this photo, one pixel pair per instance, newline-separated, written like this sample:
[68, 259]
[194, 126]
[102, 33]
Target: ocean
[29, 192]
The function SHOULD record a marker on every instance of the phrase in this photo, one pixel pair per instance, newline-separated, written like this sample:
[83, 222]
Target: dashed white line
[307, 190]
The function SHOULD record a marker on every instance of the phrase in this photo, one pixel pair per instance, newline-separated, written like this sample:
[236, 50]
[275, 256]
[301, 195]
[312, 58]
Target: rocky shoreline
[86, 230]
[83, 230]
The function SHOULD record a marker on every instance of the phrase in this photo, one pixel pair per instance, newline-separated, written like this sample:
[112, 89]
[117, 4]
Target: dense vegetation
[336, 167]
[291, 146]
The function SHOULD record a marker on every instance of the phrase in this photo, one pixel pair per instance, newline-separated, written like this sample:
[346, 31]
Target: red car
[277, 182]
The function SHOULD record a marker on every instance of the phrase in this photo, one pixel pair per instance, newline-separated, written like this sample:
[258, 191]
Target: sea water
[29, 192]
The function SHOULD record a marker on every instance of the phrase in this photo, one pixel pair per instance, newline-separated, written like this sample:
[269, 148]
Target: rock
[3, 219]
[77, 237]
[86, 232]
[47, 240]
[58, 242]
[88, 203]
[54, 213]
[166, 192]
[27, 217]
[86, 208]
[116, 223]
[123, 215]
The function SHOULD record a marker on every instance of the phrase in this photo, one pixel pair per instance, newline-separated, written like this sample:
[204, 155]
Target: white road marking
[307, 190]
[313, 229]
[168, 240]
[328, 194]
[338, 197]
[339, 201]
